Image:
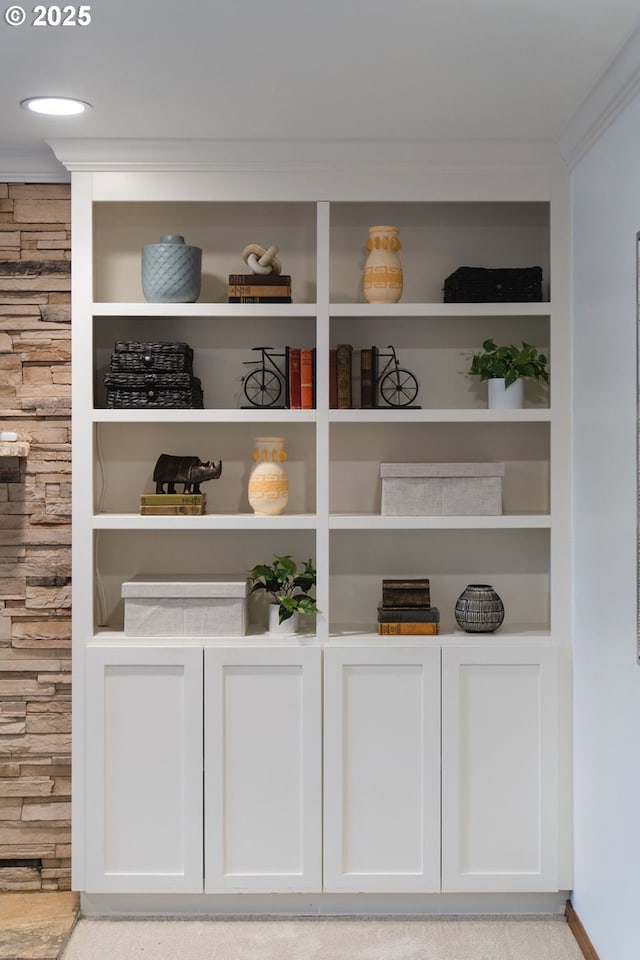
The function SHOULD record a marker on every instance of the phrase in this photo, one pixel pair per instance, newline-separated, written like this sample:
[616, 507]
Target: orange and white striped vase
[268, 480]
[382, 280]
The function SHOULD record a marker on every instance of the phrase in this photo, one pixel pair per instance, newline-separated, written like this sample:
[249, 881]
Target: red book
[295, 400]
[306, 379]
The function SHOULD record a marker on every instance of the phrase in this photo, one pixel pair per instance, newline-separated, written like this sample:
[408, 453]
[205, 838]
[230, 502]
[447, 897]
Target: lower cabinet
[500, 768]
[417, 769]
[263, 769]
[382, 769]
[143, 759]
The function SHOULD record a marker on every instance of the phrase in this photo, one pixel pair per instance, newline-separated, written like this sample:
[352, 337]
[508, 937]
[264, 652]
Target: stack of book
[259, 288]
[301, 378]
[357, 375]
[173, 504]
[406, 609]
[353, 377]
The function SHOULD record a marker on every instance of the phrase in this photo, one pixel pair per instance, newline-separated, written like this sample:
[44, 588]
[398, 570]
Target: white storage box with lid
[189, 606]
[441, 489]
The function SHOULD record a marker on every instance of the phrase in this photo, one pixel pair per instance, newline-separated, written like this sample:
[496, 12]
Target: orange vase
[382, 280]
[269, 481]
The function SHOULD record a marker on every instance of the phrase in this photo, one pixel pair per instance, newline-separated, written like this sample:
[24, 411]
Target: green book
[408, 614]
[165, 499]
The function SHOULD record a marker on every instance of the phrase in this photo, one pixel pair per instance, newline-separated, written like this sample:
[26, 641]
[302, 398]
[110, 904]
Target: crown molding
[33, 167]
[106, 155]
[616, 88]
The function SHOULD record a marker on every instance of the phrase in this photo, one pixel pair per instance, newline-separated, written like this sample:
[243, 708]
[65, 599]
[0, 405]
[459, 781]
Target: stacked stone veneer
[35, 539]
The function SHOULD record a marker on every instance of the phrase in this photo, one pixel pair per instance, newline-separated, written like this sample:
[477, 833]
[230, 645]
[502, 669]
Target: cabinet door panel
[144, 766]
[263, 768]
[382, 770]
[499, 769]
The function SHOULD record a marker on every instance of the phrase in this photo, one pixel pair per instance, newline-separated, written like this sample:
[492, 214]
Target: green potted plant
[505, 368]
[287, 589]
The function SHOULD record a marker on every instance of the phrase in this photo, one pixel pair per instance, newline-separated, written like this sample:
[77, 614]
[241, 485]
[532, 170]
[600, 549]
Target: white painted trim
[32, 167]
[326, 905]
[280, 155]
[616, 88]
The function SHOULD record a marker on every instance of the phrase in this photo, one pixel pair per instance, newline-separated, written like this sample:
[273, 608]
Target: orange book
[409, 629]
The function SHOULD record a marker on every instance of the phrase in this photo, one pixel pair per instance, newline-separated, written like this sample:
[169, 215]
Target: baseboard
[580, 934]
[534, 905]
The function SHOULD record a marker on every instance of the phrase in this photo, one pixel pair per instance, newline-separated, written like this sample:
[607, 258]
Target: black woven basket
[482, 285]
[152, 390]
[158, 356]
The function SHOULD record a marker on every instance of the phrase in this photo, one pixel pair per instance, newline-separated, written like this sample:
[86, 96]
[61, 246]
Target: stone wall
[35, 538]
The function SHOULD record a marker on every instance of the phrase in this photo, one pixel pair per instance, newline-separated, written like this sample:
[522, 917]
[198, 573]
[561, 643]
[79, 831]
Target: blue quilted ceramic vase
[171, 271]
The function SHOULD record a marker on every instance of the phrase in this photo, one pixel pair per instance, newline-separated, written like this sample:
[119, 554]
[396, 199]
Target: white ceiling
[296, 69]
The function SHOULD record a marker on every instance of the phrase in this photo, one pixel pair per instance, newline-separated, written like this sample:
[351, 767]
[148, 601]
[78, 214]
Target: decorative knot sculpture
[260, 260]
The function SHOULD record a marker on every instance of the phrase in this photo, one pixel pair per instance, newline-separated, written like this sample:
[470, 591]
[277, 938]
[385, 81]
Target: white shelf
[276, 415]
[204, 310]
[391, 310]
[442, 310]
[355, 635]
[373, 522]
[255, 635]
[503, 522]
[235, 415]
[431, 415]
[342, 636]
[210, 521]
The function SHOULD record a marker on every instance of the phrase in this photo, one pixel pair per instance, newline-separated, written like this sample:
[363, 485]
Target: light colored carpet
[95, 939]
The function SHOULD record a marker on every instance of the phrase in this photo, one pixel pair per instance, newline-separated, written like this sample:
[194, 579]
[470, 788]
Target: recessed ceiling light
[55, 106]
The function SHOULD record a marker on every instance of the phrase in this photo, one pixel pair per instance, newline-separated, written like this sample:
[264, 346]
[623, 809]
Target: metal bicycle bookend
[263, 386]
[397, 387]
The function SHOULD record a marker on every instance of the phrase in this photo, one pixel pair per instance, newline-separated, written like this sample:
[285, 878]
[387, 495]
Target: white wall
[606, 218]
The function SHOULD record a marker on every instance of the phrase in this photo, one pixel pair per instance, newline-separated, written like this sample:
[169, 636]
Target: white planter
[505, 398]
[285, 629]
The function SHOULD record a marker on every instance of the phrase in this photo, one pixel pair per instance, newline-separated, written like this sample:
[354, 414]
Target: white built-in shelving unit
[492, 207]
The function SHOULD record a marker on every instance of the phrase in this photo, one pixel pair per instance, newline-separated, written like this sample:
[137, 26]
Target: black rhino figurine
[190, 471]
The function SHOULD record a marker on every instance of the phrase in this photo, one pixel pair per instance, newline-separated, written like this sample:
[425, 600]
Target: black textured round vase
[479, 609]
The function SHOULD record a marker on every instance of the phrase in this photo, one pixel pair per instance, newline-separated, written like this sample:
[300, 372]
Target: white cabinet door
[263, 769]
[382, 769]
[499, 768]
[144, 770]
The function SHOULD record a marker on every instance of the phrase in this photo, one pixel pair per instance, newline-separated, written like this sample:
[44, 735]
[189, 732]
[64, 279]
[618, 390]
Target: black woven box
[131, 356]
[482, 285]
[152, 390]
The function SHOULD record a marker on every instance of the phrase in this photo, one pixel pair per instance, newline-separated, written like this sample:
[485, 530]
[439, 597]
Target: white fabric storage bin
[441, 489]
[190, 606]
